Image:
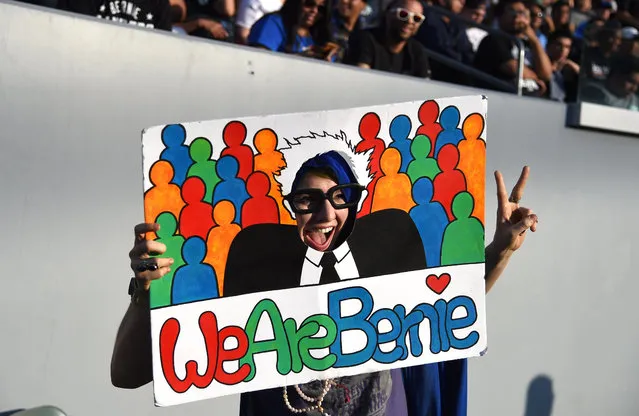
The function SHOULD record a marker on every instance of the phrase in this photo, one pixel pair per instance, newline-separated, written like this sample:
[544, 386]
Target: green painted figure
[463, 241]
[161, 288]
[203, 167]
[422, 166]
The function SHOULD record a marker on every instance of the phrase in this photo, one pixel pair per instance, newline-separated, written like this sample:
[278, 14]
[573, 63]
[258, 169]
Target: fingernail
[171, 261]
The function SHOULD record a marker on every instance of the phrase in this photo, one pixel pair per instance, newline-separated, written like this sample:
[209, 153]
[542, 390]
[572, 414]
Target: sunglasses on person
[407, 16]
[312, 4]
[306, 201]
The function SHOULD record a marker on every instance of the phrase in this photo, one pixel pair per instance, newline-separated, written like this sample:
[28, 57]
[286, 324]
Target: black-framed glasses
[306, 201]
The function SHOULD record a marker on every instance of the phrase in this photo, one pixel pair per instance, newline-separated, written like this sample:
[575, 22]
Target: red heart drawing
[438, 283]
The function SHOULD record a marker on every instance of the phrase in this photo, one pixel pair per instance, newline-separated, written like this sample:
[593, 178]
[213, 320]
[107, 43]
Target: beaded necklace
[317, 400]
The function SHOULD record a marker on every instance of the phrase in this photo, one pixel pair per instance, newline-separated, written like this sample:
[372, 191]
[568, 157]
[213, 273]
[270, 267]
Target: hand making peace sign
[513, 220]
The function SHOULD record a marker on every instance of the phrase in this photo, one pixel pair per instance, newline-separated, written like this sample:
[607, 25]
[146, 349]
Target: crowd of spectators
[572, 49]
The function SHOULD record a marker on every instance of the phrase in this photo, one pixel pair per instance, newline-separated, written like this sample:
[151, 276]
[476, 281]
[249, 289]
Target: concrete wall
[74, 96]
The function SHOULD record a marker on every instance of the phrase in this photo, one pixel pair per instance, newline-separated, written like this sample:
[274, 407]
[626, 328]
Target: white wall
[74, 96]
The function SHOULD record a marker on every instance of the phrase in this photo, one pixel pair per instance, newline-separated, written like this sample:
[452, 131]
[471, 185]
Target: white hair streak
[300, 149]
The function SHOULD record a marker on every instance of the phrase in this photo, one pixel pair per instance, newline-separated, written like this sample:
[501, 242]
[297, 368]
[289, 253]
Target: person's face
[311, 11]
[515, 19]
[455, 6]
[561, 15]
[536, 16]
[404, 20]
[584, 5]
[610, 40]
[350, 8]
[603, 13]
[559, 49]
[320, 229]
[629, 47]
[475, 15]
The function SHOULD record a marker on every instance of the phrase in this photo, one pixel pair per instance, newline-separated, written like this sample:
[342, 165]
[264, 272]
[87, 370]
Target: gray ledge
[601, 117]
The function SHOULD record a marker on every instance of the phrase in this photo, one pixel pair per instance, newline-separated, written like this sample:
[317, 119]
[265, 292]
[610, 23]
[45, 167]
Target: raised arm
[513, 221]
[131, 360]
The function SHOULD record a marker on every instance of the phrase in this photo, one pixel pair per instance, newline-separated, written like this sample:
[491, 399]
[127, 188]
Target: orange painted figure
[220, 238]
[196, 218]
[450, 181]
[369, 127]
[394, 189]
[271, 162]
[260, 208]
[163, 195]
[427, 115]
[234, 135]
[472, 161]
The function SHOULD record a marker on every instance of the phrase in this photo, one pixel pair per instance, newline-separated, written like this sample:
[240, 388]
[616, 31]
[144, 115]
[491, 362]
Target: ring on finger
[514, 200]
[145, 265]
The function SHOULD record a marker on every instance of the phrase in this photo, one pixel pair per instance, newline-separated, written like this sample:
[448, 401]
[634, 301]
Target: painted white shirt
[345, 266]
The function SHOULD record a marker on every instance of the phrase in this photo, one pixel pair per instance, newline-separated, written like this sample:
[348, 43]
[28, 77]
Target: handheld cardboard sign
[316, 245]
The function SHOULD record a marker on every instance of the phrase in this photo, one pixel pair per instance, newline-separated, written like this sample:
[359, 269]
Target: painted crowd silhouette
[437, 177]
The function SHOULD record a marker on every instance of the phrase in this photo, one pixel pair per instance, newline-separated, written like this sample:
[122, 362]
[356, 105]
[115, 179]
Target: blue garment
[270, 33]
[438, 389]
[542, 39]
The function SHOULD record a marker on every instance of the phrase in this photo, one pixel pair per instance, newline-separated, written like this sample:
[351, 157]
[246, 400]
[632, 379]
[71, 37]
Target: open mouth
[319, 238]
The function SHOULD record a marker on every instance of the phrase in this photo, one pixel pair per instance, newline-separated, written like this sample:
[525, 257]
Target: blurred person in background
[196, 26]
[628, 13]
[539, 23]
[601, 12]
[446, 36]
[299, 27]
[391, 46]
[346, 18]
[474, 11]
[565, 72]
[206, 16]
[249, 12]
[597, 59]
[619, 89]
[499, 56]
[581, 13]
[561, 17]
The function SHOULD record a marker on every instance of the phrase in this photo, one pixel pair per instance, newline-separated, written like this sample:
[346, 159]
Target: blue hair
[329, 160]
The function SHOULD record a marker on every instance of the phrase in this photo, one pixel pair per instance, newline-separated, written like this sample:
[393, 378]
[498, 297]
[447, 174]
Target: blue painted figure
[195, 280]
[230, 188]
[449, 120]
[399, 131]
[430, 219]
[176, 152]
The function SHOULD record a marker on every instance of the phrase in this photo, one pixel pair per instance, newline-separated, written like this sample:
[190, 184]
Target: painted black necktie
[329, 274]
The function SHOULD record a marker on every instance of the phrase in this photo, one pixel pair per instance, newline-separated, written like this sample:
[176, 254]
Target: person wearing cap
[620, 87]
[629, 41]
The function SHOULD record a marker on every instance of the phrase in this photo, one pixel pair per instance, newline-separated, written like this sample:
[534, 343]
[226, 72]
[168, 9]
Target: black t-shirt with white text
[144, 13]
[367, 47]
